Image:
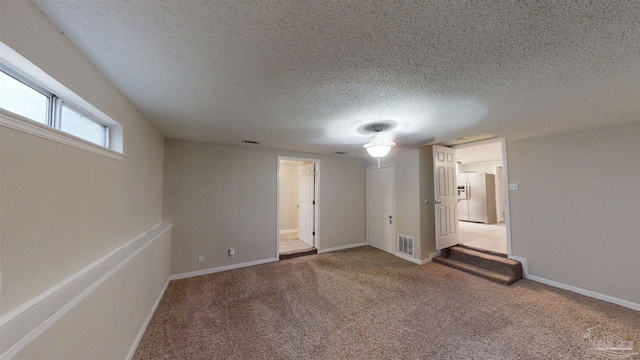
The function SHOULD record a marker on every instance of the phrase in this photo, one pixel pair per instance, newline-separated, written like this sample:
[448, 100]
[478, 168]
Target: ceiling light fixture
[376, 145]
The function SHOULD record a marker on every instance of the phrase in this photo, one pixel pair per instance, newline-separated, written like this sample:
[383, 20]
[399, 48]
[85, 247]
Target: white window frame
[29, 74]
[57, 118]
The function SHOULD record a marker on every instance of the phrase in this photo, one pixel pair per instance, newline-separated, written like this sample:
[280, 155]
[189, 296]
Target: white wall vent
[405, 245]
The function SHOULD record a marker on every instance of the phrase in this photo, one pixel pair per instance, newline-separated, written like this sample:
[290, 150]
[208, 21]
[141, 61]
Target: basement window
[82, 125]
[22, 99]
[31, 101]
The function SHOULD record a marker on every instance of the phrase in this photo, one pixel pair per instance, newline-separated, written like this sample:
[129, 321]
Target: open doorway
[297, 207]
[481, 195]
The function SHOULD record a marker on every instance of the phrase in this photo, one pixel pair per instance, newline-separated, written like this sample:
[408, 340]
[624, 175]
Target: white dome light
[377, 147]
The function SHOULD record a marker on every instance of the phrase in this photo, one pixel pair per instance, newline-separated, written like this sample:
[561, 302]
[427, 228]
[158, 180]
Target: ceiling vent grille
[405, 245]
[251, 142]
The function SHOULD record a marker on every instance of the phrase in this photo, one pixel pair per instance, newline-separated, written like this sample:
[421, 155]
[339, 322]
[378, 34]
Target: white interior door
[381, 208]
[446, 197]
[306, 203]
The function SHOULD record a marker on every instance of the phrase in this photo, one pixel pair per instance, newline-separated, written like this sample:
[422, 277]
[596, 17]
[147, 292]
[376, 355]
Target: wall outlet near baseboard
[200, 259]
[232, 252]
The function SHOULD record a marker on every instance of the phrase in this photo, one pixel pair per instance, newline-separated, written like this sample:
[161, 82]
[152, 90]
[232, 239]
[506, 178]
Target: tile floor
[290, 242]
[492, 237]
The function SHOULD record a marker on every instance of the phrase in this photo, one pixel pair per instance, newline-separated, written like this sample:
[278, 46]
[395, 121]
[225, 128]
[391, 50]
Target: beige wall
[62, 208]
[575, 216]
[222, 196]
[288, 195]
[106, 323]
[427, 210]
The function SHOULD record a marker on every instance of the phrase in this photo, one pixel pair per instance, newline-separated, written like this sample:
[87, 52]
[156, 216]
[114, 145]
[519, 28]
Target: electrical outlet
[200, 259]
[232, 252]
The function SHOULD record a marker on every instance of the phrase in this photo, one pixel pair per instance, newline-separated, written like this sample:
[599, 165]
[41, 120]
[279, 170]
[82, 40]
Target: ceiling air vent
[251, 142]
[340, 152]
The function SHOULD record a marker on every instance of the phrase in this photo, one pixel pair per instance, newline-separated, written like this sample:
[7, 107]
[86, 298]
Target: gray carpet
[363, 303]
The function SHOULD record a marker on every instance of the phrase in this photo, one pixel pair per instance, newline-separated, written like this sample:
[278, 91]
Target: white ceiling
[306, 75]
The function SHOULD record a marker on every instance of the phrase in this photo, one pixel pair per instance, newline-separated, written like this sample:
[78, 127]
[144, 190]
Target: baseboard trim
[24, 324]
[288, 231]
[143, 329]
[433, 255]
[424, 261]
[409, 258]
[524, 262]
[575, 289]
[343, 247]
[220, 269]
[589, 293]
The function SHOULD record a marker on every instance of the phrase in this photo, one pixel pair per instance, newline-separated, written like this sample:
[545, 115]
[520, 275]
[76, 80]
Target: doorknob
[390, 219]
[297, 206]
[437, 202]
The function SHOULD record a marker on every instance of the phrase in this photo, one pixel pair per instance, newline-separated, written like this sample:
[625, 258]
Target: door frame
[393, 199]
[505, 168]
[316, 210]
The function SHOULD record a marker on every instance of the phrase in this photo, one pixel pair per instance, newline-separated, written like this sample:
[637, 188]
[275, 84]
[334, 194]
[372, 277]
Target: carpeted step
[297, 253]
[491, 267]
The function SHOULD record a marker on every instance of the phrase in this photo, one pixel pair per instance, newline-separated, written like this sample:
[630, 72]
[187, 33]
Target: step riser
[296, 254]
[491, 267]
[504, 280]
[487, 264]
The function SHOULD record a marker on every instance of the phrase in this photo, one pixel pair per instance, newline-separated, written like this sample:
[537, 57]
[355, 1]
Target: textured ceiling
[306, 75]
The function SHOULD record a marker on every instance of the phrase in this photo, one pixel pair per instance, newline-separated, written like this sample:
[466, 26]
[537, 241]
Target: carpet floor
[363, 303]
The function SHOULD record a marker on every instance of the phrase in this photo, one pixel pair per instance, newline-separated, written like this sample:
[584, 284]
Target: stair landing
[491, 266]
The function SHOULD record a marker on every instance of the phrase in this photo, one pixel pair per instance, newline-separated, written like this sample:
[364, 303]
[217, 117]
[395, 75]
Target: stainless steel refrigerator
[477, 197]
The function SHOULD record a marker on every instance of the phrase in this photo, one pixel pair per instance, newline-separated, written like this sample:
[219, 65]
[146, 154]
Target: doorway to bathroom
[297, 206]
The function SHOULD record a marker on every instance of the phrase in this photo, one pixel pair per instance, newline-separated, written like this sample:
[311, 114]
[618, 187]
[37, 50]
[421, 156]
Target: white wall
[288, 195]
[62, 208]
[575, 216]
[221, 196]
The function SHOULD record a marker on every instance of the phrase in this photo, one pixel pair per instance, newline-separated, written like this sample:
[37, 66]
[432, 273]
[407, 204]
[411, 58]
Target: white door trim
[507, 208]
[317, 195]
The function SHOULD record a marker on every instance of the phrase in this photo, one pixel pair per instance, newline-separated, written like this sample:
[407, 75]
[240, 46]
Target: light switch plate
[513, 186]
